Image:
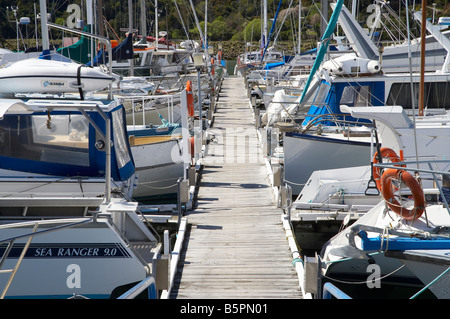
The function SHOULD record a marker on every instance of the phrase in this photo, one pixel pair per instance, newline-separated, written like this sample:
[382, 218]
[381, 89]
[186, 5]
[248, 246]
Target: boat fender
[190, 98]
[388, 193]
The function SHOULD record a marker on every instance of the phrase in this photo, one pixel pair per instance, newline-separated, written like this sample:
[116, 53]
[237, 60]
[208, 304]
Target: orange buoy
[387, 190]
[190, 98]
[192, 141]
[386, 153]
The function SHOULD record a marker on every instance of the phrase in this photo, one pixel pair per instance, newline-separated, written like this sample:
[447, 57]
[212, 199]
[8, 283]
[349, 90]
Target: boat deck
[236, 246]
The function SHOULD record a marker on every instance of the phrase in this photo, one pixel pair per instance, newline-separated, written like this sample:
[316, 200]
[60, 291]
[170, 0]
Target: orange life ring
[387, 191]
[387, 153]
[190, 98]
[212, 66]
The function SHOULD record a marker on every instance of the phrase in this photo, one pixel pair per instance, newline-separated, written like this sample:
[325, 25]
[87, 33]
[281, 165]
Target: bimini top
[60, 137]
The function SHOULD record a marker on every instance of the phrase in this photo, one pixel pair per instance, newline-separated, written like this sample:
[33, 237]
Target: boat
[333, 196]
[66, 173]
[399, 249]
[51, 76]
[394, 57]
[332, 144]
[357, 50]
[157, 144]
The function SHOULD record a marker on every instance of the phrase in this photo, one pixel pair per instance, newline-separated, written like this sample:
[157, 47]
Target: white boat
[157, 129]
[393, 251]
[64, 216]
[324, 141]
[394, 57]
[331, 196]
[50, 76]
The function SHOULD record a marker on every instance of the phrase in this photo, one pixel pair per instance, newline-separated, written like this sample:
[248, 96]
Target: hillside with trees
[231, 22]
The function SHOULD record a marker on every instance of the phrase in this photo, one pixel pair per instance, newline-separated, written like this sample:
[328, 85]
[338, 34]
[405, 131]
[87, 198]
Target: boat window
[322, 94]
[356, 96]
[59, 139]
[437, 95]
[120, 143]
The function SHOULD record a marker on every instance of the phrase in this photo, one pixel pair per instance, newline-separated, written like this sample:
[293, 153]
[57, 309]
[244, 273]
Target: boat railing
[10, 241]
[332, 117]
[330, 290]
[433, 171]
[146, 101]
[148, 283]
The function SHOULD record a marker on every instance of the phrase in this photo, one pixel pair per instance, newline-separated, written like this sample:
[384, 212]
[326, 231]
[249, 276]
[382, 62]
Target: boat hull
[304, 154]
[49, 76]
[90, 260]
[159, 165]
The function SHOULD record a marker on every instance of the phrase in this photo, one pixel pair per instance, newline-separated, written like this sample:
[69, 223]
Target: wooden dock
[235, 246]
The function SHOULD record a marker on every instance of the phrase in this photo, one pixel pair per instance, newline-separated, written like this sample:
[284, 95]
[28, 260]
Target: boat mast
[265, 23]
[44, 27]
[130, 30]
[299, 26]
[143, 22]
[156, 25]
[206, 24]
[422, 57]
[325, 40]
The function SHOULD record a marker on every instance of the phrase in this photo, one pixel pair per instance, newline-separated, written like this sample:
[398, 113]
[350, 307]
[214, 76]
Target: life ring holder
[387, 190]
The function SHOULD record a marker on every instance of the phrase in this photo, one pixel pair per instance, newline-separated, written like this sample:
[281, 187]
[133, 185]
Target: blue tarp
[273, 65]
[123, 51]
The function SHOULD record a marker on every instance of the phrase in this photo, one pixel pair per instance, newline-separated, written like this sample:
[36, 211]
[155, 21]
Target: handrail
[144, 99]
[416, 169]
[30, 237]
[147, 283]
[330, 290]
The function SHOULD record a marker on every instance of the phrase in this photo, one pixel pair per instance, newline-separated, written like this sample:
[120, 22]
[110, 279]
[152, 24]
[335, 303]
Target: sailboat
[403, 241]
[257, 59]
[324, 138]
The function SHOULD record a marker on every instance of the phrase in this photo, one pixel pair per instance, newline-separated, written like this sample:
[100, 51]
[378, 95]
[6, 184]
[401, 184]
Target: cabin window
[50, 138]
[437, 95]
[63, 138]
[120, 143]
[356, 96]
[322, 94]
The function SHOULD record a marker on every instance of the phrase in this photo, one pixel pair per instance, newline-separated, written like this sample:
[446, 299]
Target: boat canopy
[52, 140]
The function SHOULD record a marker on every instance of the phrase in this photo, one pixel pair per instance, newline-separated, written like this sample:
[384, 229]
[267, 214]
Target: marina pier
[235, 245]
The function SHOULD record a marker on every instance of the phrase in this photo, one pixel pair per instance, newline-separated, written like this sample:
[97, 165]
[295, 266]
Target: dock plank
[235, 246]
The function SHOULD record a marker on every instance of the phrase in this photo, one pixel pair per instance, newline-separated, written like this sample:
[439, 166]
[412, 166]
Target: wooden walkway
[236, 245]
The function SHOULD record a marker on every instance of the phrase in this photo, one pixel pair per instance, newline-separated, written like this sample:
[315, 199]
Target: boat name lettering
[43, 252]
[88, 251]
[48, 83]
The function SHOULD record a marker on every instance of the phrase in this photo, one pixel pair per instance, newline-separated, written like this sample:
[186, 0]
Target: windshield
[47, 138]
